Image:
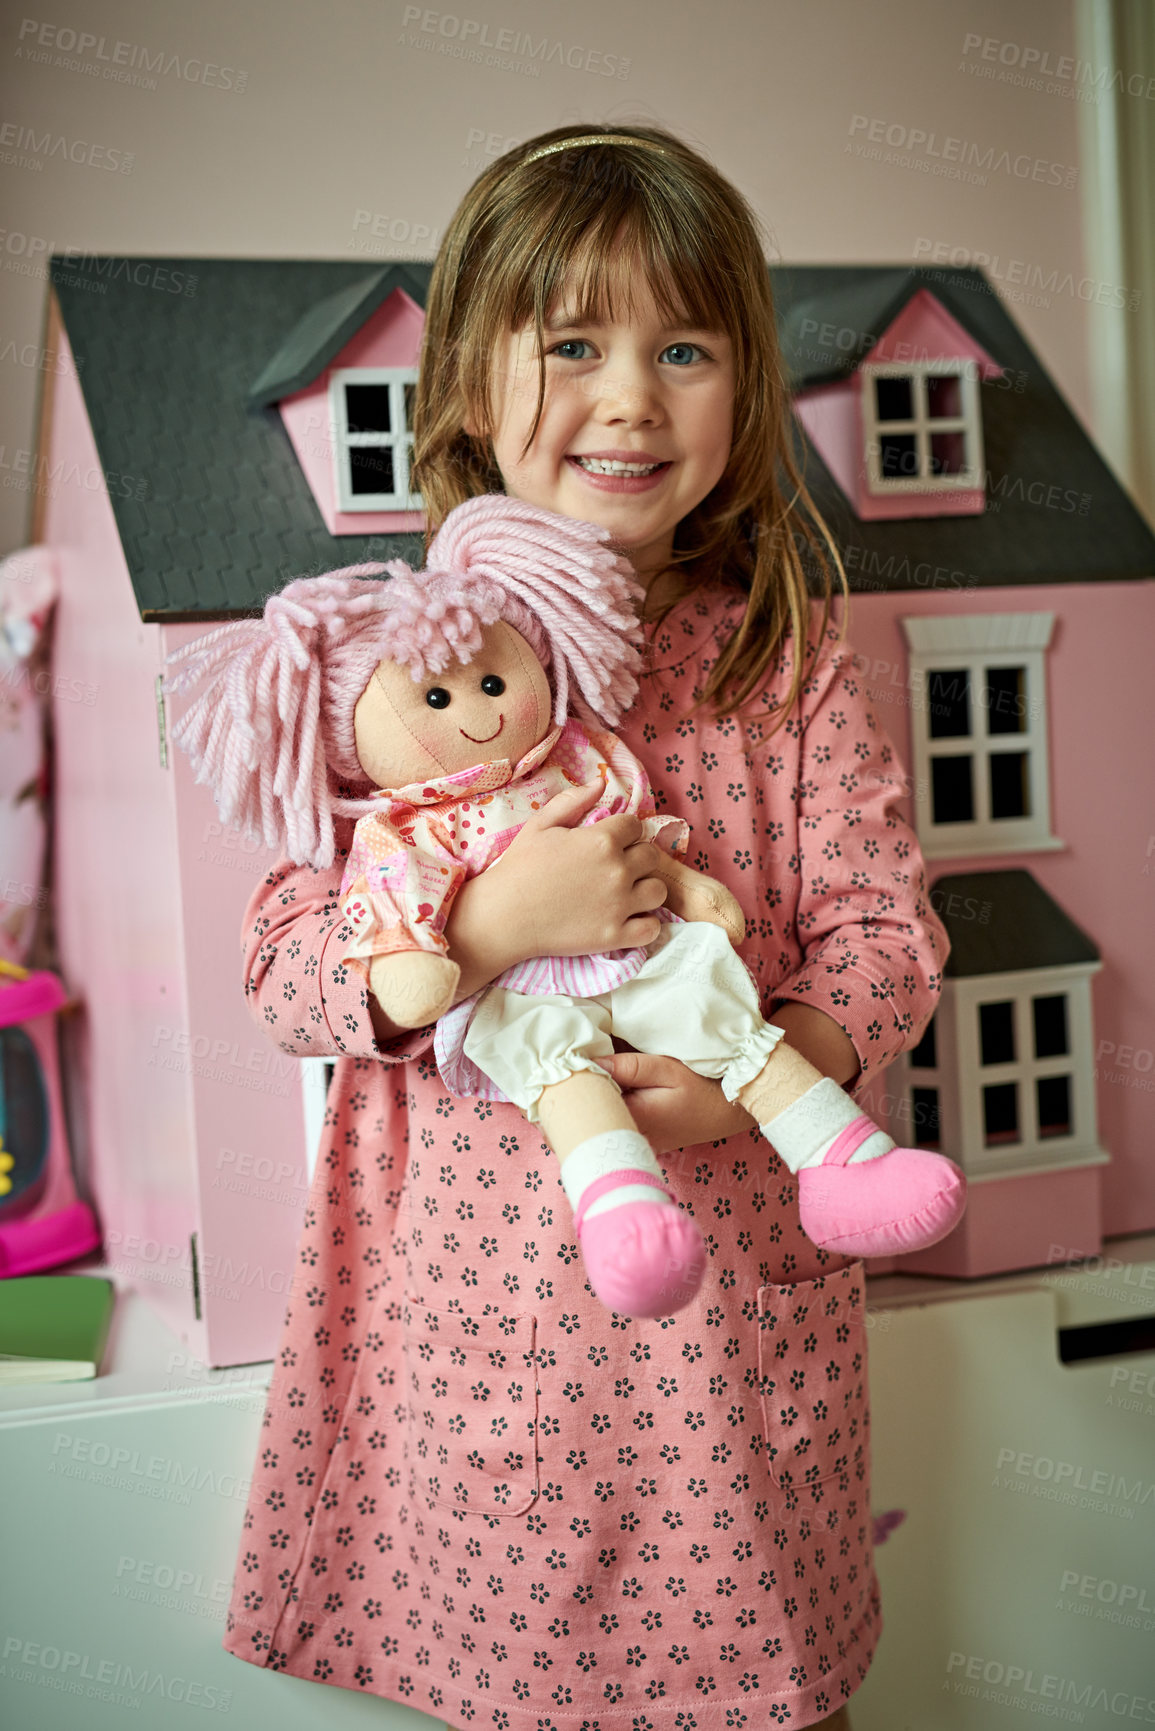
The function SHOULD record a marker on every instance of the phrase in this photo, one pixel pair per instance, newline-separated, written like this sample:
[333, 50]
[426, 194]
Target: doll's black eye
[492, 685]
[437, 697]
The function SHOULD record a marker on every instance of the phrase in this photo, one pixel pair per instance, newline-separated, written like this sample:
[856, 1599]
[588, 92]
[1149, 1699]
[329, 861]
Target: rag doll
[440, 709]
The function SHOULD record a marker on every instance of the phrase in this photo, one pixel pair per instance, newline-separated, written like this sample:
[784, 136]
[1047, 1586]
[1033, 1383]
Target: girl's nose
[627, 394]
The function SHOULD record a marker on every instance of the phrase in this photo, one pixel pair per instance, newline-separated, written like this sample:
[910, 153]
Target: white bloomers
[694, 1000]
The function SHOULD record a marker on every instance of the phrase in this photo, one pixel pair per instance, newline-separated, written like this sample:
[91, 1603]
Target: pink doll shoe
[900, 1201]
[641, 1260]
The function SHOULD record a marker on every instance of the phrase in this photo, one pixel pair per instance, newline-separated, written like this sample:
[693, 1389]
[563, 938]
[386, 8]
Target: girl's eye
[437, 697]
[492, 685]
[683, 353]
[571, 343]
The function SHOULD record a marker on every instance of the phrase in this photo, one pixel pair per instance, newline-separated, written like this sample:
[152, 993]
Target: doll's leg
[857, 1193]
[644, 1255]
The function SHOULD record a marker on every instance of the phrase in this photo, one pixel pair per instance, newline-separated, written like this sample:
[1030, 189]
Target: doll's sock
[640, 1260]
[805, 1132]
[612, 1151]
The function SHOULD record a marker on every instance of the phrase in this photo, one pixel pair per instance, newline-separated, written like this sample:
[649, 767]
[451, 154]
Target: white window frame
[316, 1074]
[922, 425]
[966, 644]
[399, 438]
[1031, 1153]
[942, 1076]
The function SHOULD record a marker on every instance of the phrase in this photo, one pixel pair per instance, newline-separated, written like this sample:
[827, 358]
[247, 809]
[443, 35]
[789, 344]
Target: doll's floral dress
[477, 1490]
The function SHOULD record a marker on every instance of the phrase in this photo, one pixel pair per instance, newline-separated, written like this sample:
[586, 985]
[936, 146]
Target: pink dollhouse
[236, 423]
[1003, 601]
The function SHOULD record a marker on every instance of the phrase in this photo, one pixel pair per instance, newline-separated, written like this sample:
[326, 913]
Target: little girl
[674, 1529]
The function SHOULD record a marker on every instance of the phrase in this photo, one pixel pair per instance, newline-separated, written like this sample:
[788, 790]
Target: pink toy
[42, 1222]
[27, 594]
[370, 700]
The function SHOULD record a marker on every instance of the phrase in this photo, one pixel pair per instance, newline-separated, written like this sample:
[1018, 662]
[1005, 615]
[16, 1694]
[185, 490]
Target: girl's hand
[560, 889]
[673, 1106]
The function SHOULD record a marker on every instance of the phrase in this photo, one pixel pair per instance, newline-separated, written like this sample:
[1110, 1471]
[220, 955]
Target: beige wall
[352, 107]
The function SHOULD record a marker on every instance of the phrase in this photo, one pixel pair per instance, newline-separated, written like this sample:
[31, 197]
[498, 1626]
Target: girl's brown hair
[591, 219]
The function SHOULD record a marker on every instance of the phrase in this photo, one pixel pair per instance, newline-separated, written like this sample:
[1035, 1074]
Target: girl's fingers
[567, 809]
[641, 1069]
[650, 893]
[639, 930]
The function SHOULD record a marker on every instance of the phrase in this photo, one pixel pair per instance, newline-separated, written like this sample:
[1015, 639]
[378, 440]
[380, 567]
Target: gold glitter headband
[595, 138]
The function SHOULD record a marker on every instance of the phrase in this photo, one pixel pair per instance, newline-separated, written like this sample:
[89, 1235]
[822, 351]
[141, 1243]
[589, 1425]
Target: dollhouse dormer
[888, 390]
[343, 382]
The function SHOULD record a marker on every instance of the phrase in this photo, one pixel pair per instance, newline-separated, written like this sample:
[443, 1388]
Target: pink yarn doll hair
[271, 731]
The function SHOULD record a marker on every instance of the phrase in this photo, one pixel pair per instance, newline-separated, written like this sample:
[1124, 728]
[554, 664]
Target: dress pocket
[472, 1395]
[812, 1376]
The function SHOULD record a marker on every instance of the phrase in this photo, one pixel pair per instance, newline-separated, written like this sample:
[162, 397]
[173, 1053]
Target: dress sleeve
[306, 998]
[873, 947]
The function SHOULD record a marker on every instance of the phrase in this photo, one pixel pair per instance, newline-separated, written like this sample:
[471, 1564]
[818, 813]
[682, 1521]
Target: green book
[53, 1327]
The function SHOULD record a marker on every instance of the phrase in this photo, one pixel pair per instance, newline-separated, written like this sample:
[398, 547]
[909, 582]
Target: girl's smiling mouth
[617, 475]
[488, 736]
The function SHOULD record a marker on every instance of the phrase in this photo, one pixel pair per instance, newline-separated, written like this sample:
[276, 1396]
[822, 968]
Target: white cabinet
[1021, 1587]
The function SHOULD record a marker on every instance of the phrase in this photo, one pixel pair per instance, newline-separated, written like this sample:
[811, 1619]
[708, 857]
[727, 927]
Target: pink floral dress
[480, 1492]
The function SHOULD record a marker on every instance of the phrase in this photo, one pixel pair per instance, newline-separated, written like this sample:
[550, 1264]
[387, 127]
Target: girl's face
[656, 398]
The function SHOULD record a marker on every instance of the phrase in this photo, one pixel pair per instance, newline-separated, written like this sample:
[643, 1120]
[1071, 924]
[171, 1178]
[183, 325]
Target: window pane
[997, 1033]
[1054, 1101]
[367, 407]
[1006, 699]
[371, 468]
[925, 1054]
[926, 1132]
[943, 396]
[1009, 791]
[948, 696]
[1001, 1113]
[948, 453]
[951, 790]
[893, 397]
[897, 456]
[1050, 1026]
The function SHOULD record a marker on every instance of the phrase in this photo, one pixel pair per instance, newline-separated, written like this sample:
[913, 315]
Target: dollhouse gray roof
[1054, 513]
[213, 511]
[1000, 922]
[218, 514]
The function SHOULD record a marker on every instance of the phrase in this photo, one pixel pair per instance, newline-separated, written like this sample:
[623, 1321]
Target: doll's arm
[399, 889]
[694, 896]
[689, 893]
[413, 987]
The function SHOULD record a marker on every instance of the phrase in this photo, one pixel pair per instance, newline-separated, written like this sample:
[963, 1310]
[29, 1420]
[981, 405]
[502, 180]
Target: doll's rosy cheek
[528, 714]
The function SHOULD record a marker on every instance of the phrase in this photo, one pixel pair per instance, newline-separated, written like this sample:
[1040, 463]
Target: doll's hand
[694, 896]
[673, 1106]
[413, 987]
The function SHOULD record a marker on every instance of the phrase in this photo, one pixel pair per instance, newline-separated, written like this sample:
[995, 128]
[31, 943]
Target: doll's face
[496, 706]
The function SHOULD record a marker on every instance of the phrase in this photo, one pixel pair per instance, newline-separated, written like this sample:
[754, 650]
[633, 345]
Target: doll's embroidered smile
[487, 737]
